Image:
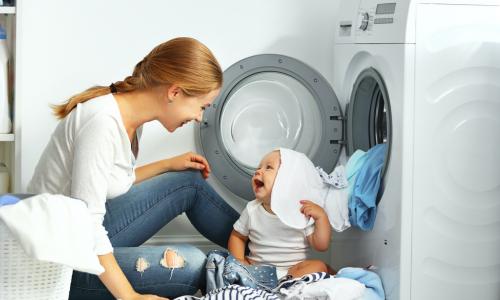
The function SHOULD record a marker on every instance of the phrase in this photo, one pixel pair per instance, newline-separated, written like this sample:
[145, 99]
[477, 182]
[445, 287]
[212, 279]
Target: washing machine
[422, 78]
[436, 65]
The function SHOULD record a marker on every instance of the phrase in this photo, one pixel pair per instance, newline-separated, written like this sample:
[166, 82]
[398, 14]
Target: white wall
[67, 46]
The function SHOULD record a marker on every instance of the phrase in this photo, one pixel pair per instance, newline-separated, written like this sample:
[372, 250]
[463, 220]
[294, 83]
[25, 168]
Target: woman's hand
[189, 160]
[311, 209]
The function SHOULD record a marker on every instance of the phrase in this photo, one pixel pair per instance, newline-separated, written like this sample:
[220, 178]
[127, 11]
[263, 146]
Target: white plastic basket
[22, 277]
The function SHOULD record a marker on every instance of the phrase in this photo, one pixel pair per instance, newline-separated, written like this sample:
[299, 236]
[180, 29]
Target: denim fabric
[223, 270]
[136, 216]
[215, 270]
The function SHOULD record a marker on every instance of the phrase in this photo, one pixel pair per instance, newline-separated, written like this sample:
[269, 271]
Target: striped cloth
[234, 292]
[287, 283]
[285, 289]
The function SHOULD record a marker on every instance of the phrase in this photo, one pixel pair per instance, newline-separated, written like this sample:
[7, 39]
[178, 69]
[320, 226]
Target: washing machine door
[269, 101]
[368, 120]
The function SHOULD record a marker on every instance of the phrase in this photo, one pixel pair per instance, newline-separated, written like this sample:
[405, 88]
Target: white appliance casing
[436, 233]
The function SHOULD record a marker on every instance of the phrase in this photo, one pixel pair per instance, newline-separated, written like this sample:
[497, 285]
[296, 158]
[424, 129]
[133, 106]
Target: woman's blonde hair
[183, 61]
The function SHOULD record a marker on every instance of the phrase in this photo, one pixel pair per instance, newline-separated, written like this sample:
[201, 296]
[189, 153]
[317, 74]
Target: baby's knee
[319, 265]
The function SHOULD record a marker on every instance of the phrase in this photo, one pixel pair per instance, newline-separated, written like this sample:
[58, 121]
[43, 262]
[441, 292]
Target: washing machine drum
[269, 101]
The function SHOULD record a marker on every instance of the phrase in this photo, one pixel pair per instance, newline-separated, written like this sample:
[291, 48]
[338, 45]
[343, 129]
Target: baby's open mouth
[258, 183]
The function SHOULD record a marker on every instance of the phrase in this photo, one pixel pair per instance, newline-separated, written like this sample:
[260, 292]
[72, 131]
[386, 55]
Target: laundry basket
[22, 277]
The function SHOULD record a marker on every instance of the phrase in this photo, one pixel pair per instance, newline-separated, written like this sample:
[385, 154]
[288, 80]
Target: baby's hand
[311, 209]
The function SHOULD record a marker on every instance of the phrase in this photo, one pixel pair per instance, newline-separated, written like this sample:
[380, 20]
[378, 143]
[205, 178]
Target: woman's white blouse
[88, 157]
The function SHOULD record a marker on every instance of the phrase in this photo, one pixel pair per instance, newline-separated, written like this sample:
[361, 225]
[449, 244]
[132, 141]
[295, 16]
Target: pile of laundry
[348, 194]
[229, 279]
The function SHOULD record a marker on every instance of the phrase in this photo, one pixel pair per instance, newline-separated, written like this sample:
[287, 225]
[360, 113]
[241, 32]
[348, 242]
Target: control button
[364, 19]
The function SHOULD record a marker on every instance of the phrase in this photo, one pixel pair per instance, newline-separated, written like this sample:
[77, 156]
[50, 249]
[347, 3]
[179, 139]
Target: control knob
[363, 21]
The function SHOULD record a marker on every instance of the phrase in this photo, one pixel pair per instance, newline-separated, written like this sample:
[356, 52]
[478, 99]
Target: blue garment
[363, 203]
[374, 289]
[137, 215]
[224, 270]
[354, 164]
[7, 199]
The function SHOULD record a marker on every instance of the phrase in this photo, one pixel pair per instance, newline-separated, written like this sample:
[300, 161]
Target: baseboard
[195, 240]
[205, 245]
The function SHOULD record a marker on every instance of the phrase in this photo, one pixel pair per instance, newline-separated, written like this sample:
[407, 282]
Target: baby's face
[263, 179]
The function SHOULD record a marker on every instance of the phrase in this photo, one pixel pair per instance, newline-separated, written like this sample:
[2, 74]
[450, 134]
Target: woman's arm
[116, 282]
[182, 162]
[236, 246]
[91, 161]
[114, 279]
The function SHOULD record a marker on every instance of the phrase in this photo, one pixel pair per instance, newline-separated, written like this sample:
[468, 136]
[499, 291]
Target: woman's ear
[173, 92]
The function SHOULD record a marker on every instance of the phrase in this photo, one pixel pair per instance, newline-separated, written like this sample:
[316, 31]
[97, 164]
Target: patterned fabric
[287, 289]
[287, 283]
[234, 292]
[223, 270]
[336, 179]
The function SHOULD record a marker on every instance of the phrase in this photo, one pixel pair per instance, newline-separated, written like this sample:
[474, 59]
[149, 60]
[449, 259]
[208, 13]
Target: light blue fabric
[8, 199]
[374, 289]
[3, 34]
[363, 202]
[352, 168]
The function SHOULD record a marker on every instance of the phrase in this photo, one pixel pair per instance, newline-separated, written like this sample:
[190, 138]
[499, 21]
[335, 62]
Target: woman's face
[181, 109]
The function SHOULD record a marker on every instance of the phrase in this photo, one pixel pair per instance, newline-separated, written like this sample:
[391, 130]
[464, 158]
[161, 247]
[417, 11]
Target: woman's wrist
[166, 165]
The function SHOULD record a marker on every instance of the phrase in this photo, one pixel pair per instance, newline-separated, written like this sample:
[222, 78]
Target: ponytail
[182, 61]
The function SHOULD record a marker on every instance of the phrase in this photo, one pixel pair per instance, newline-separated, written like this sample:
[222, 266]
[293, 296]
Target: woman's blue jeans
[136, 216]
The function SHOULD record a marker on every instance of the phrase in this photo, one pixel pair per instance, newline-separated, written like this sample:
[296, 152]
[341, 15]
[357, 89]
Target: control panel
[375, 21]
[377, 14]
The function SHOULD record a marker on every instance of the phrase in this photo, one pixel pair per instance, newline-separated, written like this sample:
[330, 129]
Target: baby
[271, 242]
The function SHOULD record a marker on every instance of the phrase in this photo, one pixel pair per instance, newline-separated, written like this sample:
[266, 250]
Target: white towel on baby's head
[298, 179]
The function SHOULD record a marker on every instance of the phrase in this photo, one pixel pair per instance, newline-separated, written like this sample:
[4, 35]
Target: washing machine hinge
[341, 139]
[338, 142]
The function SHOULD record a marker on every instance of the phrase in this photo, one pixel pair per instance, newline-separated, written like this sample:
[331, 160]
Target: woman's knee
[184, 255]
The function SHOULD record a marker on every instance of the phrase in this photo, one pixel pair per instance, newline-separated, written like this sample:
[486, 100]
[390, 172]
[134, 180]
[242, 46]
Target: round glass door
[267, 110]
[269, 101]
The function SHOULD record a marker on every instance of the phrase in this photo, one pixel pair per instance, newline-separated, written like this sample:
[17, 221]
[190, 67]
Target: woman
[91, 156]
